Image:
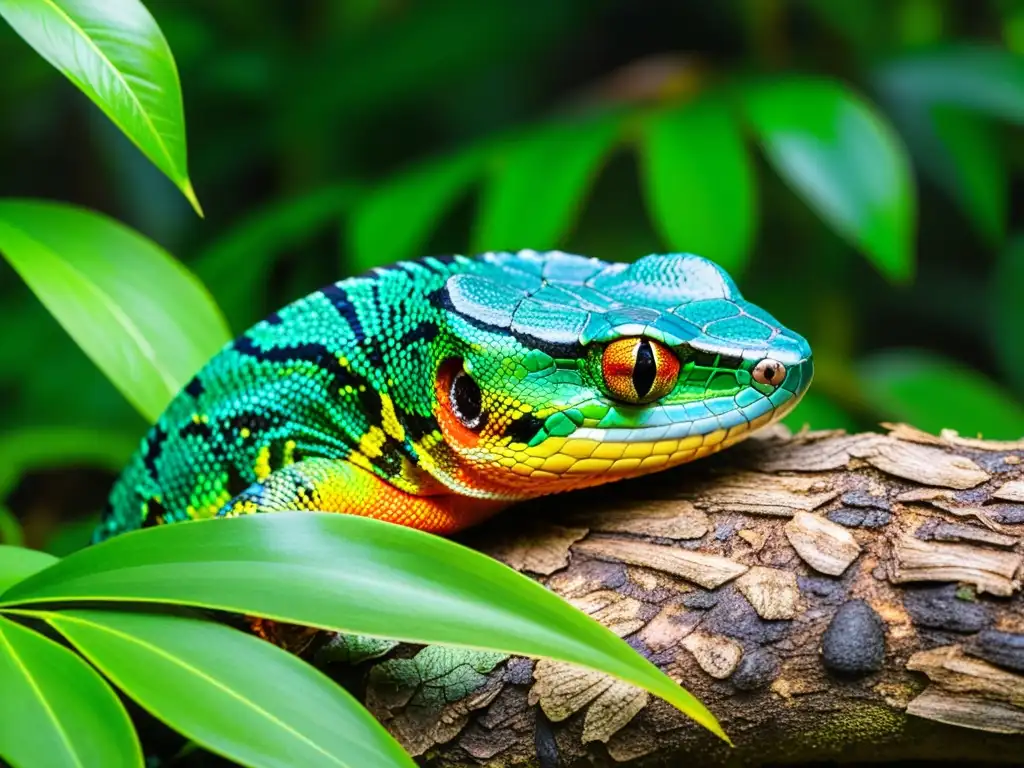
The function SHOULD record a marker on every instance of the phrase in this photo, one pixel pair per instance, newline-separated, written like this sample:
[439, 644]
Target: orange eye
[639, 370]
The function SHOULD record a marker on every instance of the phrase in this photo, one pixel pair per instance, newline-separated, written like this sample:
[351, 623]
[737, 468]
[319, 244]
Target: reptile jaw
[593, 455]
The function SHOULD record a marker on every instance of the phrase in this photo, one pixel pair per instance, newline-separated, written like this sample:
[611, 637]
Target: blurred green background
[857, 164]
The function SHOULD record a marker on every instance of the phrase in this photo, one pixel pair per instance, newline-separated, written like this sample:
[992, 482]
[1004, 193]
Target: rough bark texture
[828, 597]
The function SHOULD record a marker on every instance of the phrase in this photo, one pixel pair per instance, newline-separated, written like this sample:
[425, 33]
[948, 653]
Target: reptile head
[561, 371]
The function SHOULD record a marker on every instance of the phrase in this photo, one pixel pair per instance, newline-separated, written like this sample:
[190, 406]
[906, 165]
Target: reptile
[434, 393]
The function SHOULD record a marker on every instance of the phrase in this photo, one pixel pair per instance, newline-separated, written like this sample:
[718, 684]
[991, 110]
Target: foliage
[851, 161]
[75, 261]
[343, 573]
[115, 53]
[323, 129]
[703, 201]
[148, 324]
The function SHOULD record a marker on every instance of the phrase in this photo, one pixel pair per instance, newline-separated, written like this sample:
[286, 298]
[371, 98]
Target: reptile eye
[638, 370]
[466, 402]
[770, 372]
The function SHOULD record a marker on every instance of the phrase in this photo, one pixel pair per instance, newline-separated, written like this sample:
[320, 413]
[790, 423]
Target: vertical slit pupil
[645, 369]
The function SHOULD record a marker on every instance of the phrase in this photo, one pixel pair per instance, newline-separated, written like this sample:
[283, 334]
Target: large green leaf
[846, 162]
[987, 80]
[960, 151]
[699, 183]
[394, 221]
[1007, 318]
[237, 265]
[17, 563]
[940, 99]
[350, 574]
[145, 320]
[55, 710]
[538, 182]
[972, 168]
[116, 54]
[198, 677]
[935, 393]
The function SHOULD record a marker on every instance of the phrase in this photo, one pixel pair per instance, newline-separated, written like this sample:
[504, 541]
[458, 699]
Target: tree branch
[827, 596]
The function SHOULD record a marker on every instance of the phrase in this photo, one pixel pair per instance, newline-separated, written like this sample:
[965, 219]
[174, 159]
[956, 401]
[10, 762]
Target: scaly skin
[434, 393]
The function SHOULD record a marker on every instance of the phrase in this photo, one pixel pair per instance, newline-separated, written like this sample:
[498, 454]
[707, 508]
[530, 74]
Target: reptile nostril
[770, 372]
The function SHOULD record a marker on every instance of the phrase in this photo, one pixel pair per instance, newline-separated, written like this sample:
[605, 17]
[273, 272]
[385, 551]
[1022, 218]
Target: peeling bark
[827, 596]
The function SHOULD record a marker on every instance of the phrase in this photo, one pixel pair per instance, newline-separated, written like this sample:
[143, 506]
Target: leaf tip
[901, 274]
[190, 194]
[709, 721]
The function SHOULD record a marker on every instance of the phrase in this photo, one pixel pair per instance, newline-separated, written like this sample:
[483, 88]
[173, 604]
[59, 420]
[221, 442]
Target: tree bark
[827, 596]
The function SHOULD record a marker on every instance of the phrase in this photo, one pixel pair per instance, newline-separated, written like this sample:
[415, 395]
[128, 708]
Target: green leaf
[198, 677]
[23, 450]
[934, 393]
[699, 183]
[146, 321]
[395, 62]
[115, 53]
[816, 411]
[55, 710]
[17, 563]
[960, 152]
[72, 535]
[10, 528]
[237, 265]
[349, 574]
[940, 98]
[1008, 312]
[987, 80]
[864, 25]
[846, 162]
[537, 184]
[972, 169]
[395, 220]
